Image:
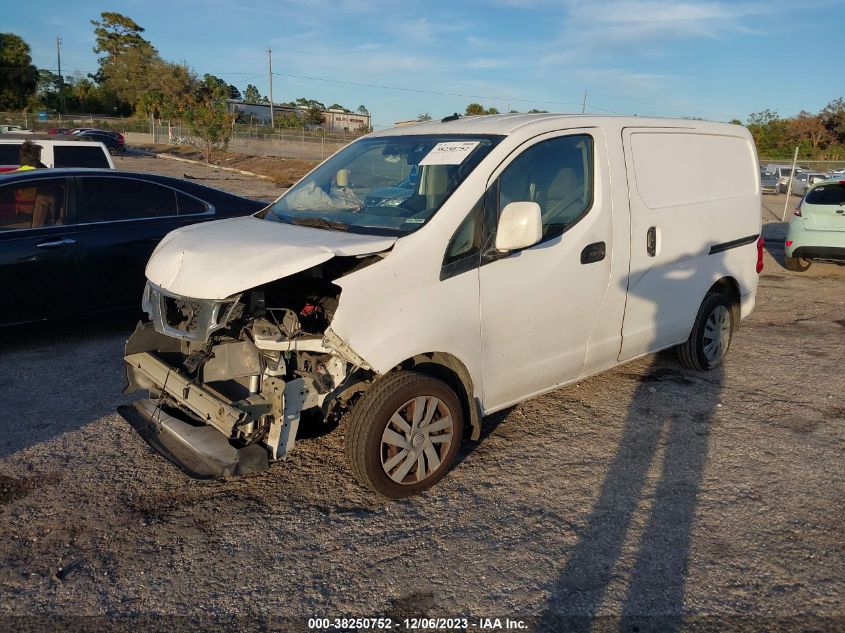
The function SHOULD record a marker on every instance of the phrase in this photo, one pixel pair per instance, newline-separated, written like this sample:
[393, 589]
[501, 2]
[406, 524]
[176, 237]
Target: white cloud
[642, 19]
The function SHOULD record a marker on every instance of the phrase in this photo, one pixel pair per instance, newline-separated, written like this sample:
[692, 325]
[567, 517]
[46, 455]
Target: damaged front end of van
[320, 304]
[230, 370]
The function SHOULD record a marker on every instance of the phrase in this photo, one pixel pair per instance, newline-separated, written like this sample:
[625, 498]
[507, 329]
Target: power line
[434, 92]
[401, 89]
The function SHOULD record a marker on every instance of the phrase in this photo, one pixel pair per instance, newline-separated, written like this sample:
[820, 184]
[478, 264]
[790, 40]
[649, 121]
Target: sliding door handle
[651, 241]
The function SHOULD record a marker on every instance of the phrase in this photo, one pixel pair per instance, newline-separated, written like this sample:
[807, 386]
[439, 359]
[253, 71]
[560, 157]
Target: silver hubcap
[717, 334]
[416, 440]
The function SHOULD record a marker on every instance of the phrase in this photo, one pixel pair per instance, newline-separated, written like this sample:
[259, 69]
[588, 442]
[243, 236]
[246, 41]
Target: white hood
[215, 260]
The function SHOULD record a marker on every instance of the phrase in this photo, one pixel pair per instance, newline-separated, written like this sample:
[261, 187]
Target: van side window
[79, 156]
[556, 174]
[10, 154]
[464, 248]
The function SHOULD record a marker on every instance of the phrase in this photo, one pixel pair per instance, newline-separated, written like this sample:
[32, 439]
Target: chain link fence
[819, 166]
[255, 140]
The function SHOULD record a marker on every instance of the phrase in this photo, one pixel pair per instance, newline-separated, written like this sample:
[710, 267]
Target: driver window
[557, 175]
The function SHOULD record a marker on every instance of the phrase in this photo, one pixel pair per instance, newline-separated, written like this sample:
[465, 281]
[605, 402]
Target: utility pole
[270, 60]
[61, 79]
[584, 105]
[789, 184]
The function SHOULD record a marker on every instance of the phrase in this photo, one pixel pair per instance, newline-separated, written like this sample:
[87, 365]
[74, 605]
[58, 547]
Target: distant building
[335, 121]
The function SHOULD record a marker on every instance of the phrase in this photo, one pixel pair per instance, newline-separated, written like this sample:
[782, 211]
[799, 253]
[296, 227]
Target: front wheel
[404, 433]
[711, 334]
[796, 264]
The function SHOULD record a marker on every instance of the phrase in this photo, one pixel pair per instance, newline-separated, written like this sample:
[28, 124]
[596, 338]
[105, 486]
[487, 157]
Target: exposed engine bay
[246, 367]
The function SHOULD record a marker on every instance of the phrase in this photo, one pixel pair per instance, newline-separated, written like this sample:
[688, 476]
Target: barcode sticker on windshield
[451, 153]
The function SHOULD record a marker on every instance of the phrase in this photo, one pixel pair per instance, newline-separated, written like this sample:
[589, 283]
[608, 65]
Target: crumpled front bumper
[201, 451]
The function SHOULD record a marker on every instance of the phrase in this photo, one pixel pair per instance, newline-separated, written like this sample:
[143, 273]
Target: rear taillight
[788, 243]
[760, 243]
[797, 212]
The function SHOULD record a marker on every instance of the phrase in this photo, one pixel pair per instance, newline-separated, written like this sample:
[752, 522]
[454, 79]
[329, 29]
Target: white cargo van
[426, 276]
[56, 153]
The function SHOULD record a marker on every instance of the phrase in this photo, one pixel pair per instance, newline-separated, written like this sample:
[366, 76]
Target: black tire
[698, 352]
[796, 264]
[369, 454]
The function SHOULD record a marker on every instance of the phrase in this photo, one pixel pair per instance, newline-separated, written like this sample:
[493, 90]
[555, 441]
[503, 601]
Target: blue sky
[712, 59]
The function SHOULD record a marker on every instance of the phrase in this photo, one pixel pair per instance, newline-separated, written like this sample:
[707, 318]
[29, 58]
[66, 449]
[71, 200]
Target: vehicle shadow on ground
[634, 548]
[667, 427]
[774, 234]
[58, 377]
[489, 424]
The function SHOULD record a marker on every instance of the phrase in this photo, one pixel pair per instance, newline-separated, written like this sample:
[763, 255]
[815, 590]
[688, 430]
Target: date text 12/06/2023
[413, 624]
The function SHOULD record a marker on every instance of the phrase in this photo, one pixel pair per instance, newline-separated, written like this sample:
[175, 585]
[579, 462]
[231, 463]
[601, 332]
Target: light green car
[817, 230]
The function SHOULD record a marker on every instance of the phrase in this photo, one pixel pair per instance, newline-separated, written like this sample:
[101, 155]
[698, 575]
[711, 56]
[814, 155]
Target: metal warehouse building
[336, 120]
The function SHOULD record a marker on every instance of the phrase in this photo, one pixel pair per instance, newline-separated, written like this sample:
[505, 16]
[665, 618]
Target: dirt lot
[282, 171]
[674, 499]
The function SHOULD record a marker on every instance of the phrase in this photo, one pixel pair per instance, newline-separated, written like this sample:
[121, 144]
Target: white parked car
[57, 153]
[14, 129]
[533, 251]
[817, 229]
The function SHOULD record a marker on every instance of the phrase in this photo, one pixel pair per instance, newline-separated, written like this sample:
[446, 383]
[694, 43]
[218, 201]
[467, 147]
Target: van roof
[507, 124]
[49, 141]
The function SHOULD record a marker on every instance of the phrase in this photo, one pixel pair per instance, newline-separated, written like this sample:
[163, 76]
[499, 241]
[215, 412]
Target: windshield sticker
[452, 153]
[414, 220]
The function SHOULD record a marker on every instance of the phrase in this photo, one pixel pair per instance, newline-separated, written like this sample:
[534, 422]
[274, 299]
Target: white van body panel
[695, 191]
[400, 308]
[48, 150]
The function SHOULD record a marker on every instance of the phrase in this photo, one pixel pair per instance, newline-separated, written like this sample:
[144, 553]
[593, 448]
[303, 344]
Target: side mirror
[520, 226]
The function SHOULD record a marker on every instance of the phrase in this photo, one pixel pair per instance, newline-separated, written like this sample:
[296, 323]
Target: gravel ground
[672, 499]
[232, 181]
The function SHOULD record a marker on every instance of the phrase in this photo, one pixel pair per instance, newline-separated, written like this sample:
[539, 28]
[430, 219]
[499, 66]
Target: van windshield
[383, 185]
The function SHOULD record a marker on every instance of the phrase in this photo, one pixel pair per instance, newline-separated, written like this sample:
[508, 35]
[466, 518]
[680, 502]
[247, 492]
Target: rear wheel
[711, 334]
[113, 151]
[796, 264]
[404, 434]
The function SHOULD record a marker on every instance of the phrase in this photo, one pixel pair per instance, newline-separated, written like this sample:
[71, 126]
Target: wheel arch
[453, 372]
[729, 287]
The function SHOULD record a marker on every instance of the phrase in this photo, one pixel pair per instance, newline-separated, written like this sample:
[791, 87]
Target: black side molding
[724, 246]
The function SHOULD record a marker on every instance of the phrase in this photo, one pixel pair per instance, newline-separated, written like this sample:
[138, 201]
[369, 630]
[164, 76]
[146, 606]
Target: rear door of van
[694, 196]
